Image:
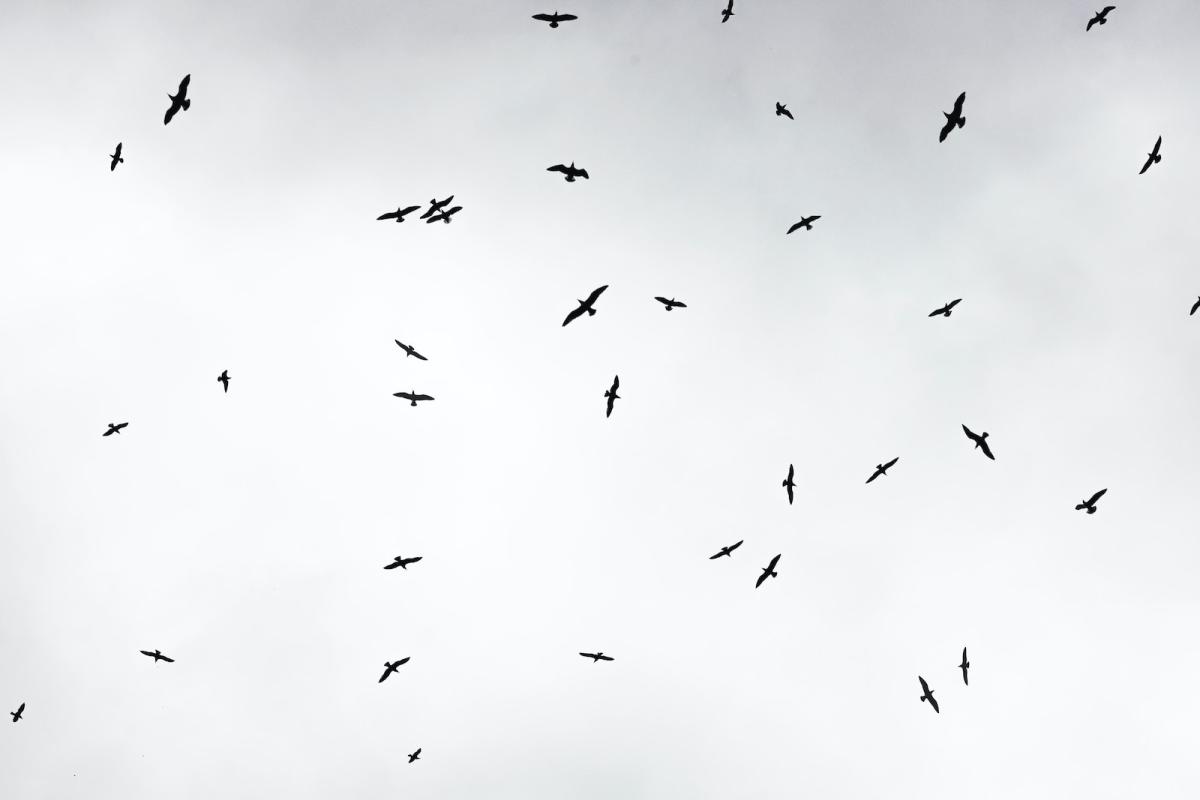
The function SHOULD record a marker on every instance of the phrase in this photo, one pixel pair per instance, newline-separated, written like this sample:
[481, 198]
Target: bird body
[927, 694]
[1153, 157]
[224, 379]
[16, 715]
[881, 469]
[114, 428]
[727, 12]
[727, 550]
[179, 100]
[805, 223]
[392, 666]
[946, 309]
[790, 484]
[554, 18]
[964, 666]
[768, 572]
[402, 562]
[954, 119]
[157, 656]
[781, 110]
[612, 395]
[409, 351]
[980, 440]
[1100, 18]
[572, 172]
[116, 158]
[412, 396]
[587, 306]
[1090, 503]
[597, 657]
[399, 214]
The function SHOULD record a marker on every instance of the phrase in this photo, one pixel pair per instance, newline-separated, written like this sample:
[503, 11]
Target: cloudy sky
[244, 534]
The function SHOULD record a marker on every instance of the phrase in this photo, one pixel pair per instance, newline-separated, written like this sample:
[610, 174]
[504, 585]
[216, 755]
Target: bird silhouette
[412, 396]
[444, 216]
[768, 572]
[399, 214]
[585, 306]
[728, 550]
[16, 715]
[1100, 18]
[964, 666]
[114, 428]
[414, 755]
[954, 119]
[436, 206]
[881, 469]
[157, 656]
[409, 351]
[1195, 306]
[402, 562]
[946, 309]
[782, 111]
[805, 223]
[392, 666]
[928, 694]
[179, 101]
[1152, 157]
[612, 395]
[1090, 503]
[116, 158]
[980, 440]
[597, 657]
[789, 484]
[554, 18]
[671, 304]
[572, 172]
[224, 379]
[727, 12]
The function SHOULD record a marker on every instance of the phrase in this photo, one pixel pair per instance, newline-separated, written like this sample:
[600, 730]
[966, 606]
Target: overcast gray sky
[244, 534]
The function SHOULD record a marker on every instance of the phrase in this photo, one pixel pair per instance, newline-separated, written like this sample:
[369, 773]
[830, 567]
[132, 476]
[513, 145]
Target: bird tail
[1157, 159]
[1092, 510]
[962, 121]
[187, 104]
[591, 312]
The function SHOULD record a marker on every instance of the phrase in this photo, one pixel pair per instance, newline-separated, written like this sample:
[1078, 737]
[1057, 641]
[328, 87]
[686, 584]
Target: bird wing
[403, 661]
[595, 294]
[667, 302]
[422, 397]
[791, 472]
[924, 685]
[609, 407]
[573, 315]
[1195, 306]
[405, 395]
[723, 552]
[408, 210]
[969, 434]
[566, 17]
[616, 383]
[588, 655]
[393, 565]
[557, 168]
[1097, 496]
[606, 658]
[958, 104]
[987, 451]
[791, 497]
[1146, 166]
[796, 227]
[736, 546]
[413, 560]
[678, 304]
[1157, 144]
[941, 310]
[122, 425]
[933, 703]
[891, 463]
[418, 752]
[21, 710]
[953, 303]
[875, 475]
[388, 215]
[387, 671]
[165, 658]
[543, 17]
[146, 653]
[1092, 22]
[774, 561]
[761, 578]
[183, 84]
[949, 126]
[582, 173]
[118, 153]
[1108, 9]
[787, 114]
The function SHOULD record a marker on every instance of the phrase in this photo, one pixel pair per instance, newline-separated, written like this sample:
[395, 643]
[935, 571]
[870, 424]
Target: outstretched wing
[582, 173]
[558, 168]
[933, 703]
[544, 17]
[874, 475]
[413, 560]
[969, 434]
[146, 653]
[405, 395]
[762, 578]
[667, 302]
[168, 660]
[1157, 144]
[588, 655]
[891, 463]
[417, 753]
[403, 661]
[1097, 496]
[938, 311]
[796, 227]
[183, 84]
[924, 685]
[566, 17]
[949, 126]
[774, 561]
[21, 710]
[573, 315]
[958, 104]
[616, 384]
[736, 546]
[392, 565]
[1092, 22]
[388, 215]
[606, 658]
[595, 294]
[1195, 306]
[987, 451]
[422, 397]
[953, 303]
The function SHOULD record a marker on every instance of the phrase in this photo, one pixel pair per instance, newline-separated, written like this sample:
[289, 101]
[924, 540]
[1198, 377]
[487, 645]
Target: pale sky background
[244, 534]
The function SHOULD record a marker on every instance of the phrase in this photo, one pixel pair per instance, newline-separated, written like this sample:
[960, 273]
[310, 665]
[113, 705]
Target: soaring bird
[114, 428]
[224, 379]
[399, 214]
[409, 351]
[392, 666]
[414, 755]
[180, 100]
[402, 562]
[596, 657]
[1195, 305]
[1152, 157]
[980, 440]
[881, 469]
[670, 304]
[554, 18]
[612, 395]
[585, 305]
[928, 694]
[445, 215]
[1090, 503]
[964, 666]
[954, 119]
[572, 172]
[782, 111]
[805, 223]
[413, 396]
[1100, 18]
[436, 206]
[790, 484]
[727, 12]
[946, 309]
[16, 715]
[727, 550]
[116, 158]
[157, 656]
[768, 572]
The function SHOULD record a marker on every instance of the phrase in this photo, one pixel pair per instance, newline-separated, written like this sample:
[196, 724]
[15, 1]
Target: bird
[1195, 305]
[554, 18]
[409, 351]
[805, 223]
[954, 118]
[413, 396]
[980, 440]
[445, 215]
[928, 694]
[782, 111]
[157, 656]
[1152, 157]
[435, 206]
[789, 484]
[1100, 18]
[768, 572]
[727, 12]
[16, 715]
[392, 666]
[597, 657]
[612, 395]
[414, 755]
[116, 158]
[1090, 503]
[964, 666]
[180, 100]
[671, 304]
[572, 172]
[402, 562]
[881, 469]
[585, 305]
[224, 379]
[727, 550]
[114, 428]
[399, 214]
[946, 309]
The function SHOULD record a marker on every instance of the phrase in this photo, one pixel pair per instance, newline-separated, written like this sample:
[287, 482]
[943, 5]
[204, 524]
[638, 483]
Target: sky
[244, 533]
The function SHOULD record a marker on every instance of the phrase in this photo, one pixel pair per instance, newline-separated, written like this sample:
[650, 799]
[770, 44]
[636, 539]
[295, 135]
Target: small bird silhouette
[928, 694]
[727, 12]
[444, 216]
[157, 656]
[881, 469]
[946, 309]
[585, 306]
[597, 657]
[728, 550]
[399, 214]
[1152, 157]
[436, 206]
[554, 18]
[805, 223]
[782, 111]
[16, 715]
[1100, 18]
[412, 396]
[1195, 306]
[392, 666]
[402, 562]
[612, 395]
[572, 172]
[980, 440]
[671, 304]
[114, 428]
[1090, 503]
[224, 379]
[414, 755]
[789, 484]
[116, 158]
[954, 119]
[179, 101]
[768, 572]
[409, 351]
[964, 666]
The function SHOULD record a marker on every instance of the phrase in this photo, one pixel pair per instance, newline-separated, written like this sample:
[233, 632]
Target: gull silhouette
[881, 469]
[782, 111]
[768, 571]
[399, 214]
[727, 550]
[445, 215]
[412, 396]
[980, 440]
[402, 562]
[954, 119]
[179, 101]
[554, 18]
[224, 379]
[114, 428]
[946, 309]
[409, 351]
[928, 694]
[1152, 157]
[964, 666]
[116, 158]
[789, 484]
[392, 666]
[572, 172]
[414, 755]
[1100, 18]
[585, 306]
[436, 206]
[727, 12]
[612, 395]
[597, 657]
[1195, 305]
[805, 223]
[157, 656]
[16, 715]
[1090, 503]
[671, 304]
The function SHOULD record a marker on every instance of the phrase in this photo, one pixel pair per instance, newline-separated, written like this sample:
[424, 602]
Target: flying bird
[402, 562]
[116, 158]
[768, 572]
[1100, 18]
[596, 657]
[180, 100]
[114, 428]
[782, 111]
[928, 694]
[1090, 503]
[554, 18]
[805, 223]
[881, 469]
[572, 172]
[392, 666]
[946, 309]
[414, 756]
[445, 215]
[964, 666]
[413, 396]
[399, 214]
[157, 656]
[671, 304]
[612, 395]
[435, 206]
[954, 119]
[980, 440]
[789, 484]
[1195, 306]
[409, 351]
[585, 305]
[727, 12]
[1152, 157]
[224, 379]
[16, 715]
[727, 550]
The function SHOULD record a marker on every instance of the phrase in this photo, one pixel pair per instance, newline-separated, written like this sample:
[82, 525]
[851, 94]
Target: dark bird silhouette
[928, 694]
[980, 440]
[445, 215]
[179, 101]
[1152, 157]
[670, 304]
[409, 351]
[1100, 18]
[727, 12]
[789, 484]
[946, 309]
[157, 656]
[585, 305]
[114, 428]
[116, 158]
[413, 396]
[805, 223]
[596, 657]
[1090, 503]
[964, 666]
[399, 214]
[414, 756]
[768, 572]
[954, 119]
[881, 469]
[782, 111]
[436, 206]
[612, 395]
[554, 18]
[224, 379]
[402, 562]
[572, 172]
[16, 715]
[392, 666]
[728, 550]
[1195, 305]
